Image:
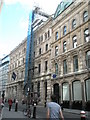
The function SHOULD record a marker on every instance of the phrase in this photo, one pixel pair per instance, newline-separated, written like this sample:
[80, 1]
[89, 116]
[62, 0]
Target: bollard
[34, 111]
[83, 115]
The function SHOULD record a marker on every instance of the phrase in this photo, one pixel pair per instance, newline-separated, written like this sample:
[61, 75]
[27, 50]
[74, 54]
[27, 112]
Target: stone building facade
[42, 61]
[16, 73]
[61, 58]
[68, 56]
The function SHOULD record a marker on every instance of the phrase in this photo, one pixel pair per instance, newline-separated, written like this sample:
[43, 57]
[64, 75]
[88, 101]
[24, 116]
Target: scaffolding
[36, 18]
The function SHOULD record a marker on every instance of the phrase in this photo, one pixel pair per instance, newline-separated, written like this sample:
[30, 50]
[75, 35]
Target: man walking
[10, 104]
[54, 110]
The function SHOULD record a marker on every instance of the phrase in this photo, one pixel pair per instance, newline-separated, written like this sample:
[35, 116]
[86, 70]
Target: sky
[14, 18]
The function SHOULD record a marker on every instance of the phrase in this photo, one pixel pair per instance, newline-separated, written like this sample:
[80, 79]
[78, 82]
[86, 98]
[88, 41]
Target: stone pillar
[70, 96]
[60, 93]
[83, 95]
[48, 90]
[42, 92]
[69, 64]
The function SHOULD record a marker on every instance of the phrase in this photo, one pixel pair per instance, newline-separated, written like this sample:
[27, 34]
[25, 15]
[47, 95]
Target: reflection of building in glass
[4, 67]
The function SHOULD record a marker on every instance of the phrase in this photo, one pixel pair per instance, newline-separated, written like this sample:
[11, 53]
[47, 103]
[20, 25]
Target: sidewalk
[75, 111]
[12, 114]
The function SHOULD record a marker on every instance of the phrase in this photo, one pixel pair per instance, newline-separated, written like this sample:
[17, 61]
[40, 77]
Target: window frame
[86, 35]
[56, 50]
[85, 16]
[64, 46]
[65, 66]
[75, 63]
[74, 39]
[64, 30]
[74, 23]
[56, 68]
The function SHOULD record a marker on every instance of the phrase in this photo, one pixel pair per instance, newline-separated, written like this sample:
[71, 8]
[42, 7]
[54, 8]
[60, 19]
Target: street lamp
[28, 97]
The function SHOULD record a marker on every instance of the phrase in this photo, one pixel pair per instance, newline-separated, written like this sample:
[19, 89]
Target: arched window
[88, 59]
[39, 51]
[86, 35]
[87, 87]
[46, 47]
[74, 41]
[73, 23]
[77, 94]
[65, 93]
[64, 46]
[56, 36]
[56, 50]
[56, 68]
[64, 66]
[64, 30]
[85, 16]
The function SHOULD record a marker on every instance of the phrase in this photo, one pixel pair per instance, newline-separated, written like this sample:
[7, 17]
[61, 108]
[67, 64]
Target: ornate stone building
[70, 55]
[16, 73]
[64, 69]
[42, 61]
[61, 58]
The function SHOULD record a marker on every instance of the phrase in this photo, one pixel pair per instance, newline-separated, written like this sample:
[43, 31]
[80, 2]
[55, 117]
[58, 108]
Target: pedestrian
[54, 111]
[10, 103]
[16, 105]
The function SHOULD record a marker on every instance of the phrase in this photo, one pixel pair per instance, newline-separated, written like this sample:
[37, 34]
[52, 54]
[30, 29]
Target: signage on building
[62, 6]
[54, 75]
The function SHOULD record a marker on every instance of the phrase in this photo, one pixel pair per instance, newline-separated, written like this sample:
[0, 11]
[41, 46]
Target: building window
[39, 68]
[24, 50]
[46, 47]
[75, 63]
[73, 23]
[56, 68]
[56, 50]
[87, 88]
[86, 35]
[75, 41]
[23, 60]
[46, 66]
[45, 36]
[34, 54]
[36, 42]
[64, 30]
[77, 93]
[64, 46]
[41, 38]
[88, 59]
[48, 33]
[85, 16]
[64, 67]
[65, 90]
[39, 51]
[56, 36]
[38, 88]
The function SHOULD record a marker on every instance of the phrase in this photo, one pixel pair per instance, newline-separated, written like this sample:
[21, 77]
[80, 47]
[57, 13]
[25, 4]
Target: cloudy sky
[14, 21]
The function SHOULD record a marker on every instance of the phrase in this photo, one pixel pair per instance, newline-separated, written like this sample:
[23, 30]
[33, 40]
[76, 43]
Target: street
[40, 113]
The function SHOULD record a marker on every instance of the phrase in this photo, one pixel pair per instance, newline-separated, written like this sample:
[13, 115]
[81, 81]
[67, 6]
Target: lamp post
[28, 97]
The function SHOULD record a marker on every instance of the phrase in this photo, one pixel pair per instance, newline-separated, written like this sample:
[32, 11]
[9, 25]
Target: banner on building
[14, 75]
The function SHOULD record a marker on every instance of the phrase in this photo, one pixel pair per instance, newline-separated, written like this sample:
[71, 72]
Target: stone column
[48, 90]
[83, 95]
[60, 93]
[70, 96]
[42, 91]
